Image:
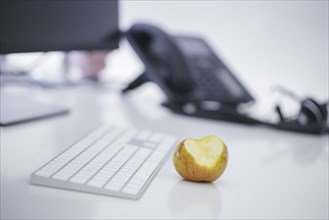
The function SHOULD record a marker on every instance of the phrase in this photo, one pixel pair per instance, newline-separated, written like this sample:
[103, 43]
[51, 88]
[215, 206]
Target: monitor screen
[53, 25]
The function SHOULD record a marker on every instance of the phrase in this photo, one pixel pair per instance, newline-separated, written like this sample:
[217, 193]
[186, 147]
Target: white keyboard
[110, 160]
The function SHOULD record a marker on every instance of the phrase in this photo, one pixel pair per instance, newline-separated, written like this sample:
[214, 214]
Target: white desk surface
[271, 174]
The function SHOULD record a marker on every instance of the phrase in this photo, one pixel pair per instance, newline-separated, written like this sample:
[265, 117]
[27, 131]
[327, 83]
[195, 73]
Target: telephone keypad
[205, 71]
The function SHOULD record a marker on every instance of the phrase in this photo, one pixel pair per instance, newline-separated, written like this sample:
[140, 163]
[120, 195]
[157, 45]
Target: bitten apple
[201, 159]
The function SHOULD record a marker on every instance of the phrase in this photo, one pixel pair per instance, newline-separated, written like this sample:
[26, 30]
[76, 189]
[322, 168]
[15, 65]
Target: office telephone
[185, 67]
[195, 81]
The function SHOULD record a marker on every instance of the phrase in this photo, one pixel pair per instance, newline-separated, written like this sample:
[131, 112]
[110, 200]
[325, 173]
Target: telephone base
[230, 113]
[225, 113]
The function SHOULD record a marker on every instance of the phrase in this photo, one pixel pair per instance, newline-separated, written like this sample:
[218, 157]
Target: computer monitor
[52, 25]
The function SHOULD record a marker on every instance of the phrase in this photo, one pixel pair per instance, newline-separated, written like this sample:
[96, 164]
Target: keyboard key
[44, 173]
[134, 186]
[115, 188]
[143, 135]
[156, 137]
[130, 190]
[150, 144]
[97, 182]
[156, 157]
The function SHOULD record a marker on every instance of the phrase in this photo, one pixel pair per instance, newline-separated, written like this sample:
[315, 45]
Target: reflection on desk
[194, 200]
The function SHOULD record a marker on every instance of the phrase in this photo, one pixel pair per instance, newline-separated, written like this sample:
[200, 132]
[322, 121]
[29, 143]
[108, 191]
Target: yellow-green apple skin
[201, 159]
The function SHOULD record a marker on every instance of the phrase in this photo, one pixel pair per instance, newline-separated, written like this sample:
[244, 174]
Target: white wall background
[264, 42]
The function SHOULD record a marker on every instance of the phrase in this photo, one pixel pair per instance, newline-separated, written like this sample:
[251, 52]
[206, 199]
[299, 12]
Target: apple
[201, 159]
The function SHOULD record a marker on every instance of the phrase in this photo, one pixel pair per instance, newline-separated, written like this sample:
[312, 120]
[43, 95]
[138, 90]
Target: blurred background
[288, 41]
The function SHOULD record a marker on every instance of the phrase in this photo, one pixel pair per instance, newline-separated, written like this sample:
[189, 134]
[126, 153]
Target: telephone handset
[185, 67]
